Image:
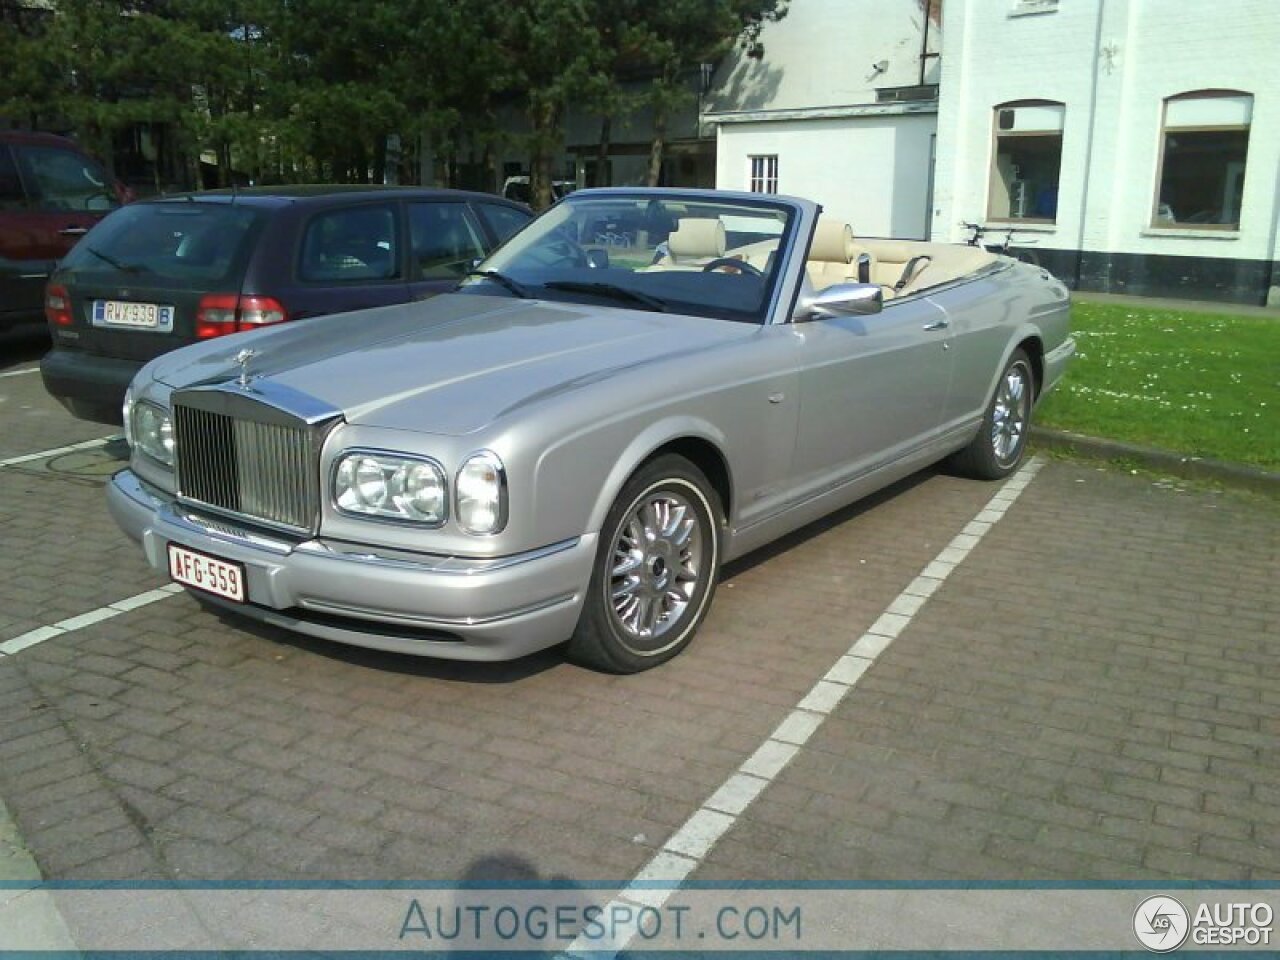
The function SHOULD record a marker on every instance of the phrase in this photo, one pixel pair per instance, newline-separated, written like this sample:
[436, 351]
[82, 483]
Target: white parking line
[18, 373]
[690, 845]
[58, 451]
[41, 634]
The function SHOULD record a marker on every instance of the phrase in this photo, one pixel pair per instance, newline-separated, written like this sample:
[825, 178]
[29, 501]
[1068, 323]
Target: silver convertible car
[638, 387]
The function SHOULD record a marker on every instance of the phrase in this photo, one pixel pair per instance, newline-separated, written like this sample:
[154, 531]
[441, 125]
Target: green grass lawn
[1194, 383]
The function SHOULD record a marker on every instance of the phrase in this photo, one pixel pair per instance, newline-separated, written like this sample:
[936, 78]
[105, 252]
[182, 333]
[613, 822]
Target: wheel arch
[1033, 347]
[697, 442]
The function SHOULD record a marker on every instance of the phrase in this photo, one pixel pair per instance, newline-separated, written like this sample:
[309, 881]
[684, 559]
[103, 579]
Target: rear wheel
[655, 569]
[1002, 439]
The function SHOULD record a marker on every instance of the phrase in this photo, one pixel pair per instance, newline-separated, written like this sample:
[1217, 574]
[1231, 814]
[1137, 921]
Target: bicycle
[1005, 249]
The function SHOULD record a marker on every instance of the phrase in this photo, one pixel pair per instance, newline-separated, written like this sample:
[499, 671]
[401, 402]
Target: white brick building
[841, 108]
[1134, 143]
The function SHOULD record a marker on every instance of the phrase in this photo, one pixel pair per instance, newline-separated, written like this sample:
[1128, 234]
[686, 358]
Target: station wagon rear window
[204, 242]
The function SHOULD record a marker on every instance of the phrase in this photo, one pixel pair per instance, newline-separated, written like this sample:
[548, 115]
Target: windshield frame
[782, 282]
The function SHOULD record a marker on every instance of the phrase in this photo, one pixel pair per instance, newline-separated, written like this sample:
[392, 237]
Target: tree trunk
[604, 176]
[545, 137]
[658, 147]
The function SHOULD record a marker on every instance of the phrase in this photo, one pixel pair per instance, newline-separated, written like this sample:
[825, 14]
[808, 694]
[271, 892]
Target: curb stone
[28, 915]
[1176, 464]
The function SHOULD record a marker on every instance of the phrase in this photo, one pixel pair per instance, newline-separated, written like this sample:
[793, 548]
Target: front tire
[998, 448]
[655, 569]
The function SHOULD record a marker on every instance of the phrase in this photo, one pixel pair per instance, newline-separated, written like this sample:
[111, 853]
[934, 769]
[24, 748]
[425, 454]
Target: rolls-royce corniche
[638, 387]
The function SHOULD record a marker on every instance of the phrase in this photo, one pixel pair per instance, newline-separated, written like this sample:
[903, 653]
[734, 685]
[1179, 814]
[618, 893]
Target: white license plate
[206, 573]
[120, 313]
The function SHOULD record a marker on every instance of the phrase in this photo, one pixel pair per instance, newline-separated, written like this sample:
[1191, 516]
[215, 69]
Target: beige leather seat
[695, 241]
[834, 257]
[890, 266]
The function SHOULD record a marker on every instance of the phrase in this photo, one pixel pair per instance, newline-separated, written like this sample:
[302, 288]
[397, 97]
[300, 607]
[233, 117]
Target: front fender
[641, 448]
[580, 476]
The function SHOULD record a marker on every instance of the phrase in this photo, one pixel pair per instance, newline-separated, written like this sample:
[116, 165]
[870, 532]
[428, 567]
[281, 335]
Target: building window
[764, 174]
[1027, 161]
[1204, 143]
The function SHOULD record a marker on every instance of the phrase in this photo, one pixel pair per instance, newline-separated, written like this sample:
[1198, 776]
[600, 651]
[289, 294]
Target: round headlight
[390, 486]
[424, 492]
[153, 432]
[371, 483]
[482, 494]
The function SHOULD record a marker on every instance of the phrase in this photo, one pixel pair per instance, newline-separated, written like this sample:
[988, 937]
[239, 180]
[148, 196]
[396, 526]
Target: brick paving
[32, 420]
[1092, 694]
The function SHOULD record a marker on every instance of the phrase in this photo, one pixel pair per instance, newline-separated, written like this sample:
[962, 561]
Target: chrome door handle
[73, 231]
[938, 324]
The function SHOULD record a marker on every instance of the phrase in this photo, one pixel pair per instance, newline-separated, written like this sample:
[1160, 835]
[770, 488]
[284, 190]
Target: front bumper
[89, 386]
[450, 607]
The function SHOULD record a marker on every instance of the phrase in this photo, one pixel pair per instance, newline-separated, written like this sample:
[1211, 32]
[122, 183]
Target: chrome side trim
[1062, 351]
[452, 565]
[388, 616]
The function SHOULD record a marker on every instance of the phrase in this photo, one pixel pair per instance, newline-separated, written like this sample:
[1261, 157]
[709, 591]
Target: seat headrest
[894, 252]
[697, 237]
[832, 242]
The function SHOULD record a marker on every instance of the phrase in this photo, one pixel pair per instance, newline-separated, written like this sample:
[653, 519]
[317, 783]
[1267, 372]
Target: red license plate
[219, 577]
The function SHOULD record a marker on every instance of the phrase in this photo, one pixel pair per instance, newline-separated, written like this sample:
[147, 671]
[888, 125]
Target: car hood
[451, 365]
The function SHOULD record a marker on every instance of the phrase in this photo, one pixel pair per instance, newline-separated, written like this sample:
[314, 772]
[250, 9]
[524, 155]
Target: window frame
[25, 156]
[399, 237]
[996, 136]
[496, 239]
[768, 179]
[20, 202]
[471, 217]
[1154, 222]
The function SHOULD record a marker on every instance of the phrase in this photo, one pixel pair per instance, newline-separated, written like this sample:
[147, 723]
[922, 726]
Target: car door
[872, 390]
[350, 258]
[50, 196]
[445, 239]
[980, 335]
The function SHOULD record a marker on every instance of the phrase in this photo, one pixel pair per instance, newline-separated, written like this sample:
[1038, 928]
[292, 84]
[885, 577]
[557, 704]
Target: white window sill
[1017, 226]
[1028, 8]
[1189, 233]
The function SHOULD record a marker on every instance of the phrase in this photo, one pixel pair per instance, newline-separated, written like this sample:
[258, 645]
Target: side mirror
[841, 300]
[598, 259]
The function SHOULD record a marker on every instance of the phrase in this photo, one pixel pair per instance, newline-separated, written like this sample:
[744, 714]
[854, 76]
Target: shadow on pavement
[23, 345]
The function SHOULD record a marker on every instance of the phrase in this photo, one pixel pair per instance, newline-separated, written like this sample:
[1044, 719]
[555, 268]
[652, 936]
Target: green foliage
[310, 89]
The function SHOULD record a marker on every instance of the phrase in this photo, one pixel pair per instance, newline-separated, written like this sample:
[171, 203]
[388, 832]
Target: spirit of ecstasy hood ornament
[243, 358]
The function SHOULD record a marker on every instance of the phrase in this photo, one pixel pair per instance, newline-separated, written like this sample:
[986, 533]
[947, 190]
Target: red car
[51, 194]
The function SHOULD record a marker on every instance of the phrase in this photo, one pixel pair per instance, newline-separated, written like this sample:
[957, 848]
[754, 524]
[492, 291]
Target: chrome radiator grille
[265, 471]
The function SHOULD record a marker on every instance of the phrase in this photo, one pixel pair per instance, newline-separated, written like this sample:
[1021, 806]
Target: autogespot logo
[1161, 923]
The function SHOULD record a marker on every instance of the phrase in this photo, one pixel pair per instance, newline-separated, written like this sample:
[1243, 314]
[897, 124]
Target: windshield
[676, 253]
[174, 240]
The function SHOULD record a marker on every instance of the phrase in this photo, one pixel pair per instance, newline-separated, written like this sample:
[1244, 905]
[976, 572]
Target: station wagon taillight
[57, 305]
[223, 313]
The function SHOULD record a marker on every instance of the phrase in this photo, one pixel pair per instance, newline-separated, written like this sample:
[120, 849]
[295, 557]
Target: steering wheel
[732, 265]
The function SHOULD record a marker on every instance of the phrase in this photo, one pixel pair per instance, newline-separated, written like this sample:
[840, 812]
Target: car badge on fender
[243, 358]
